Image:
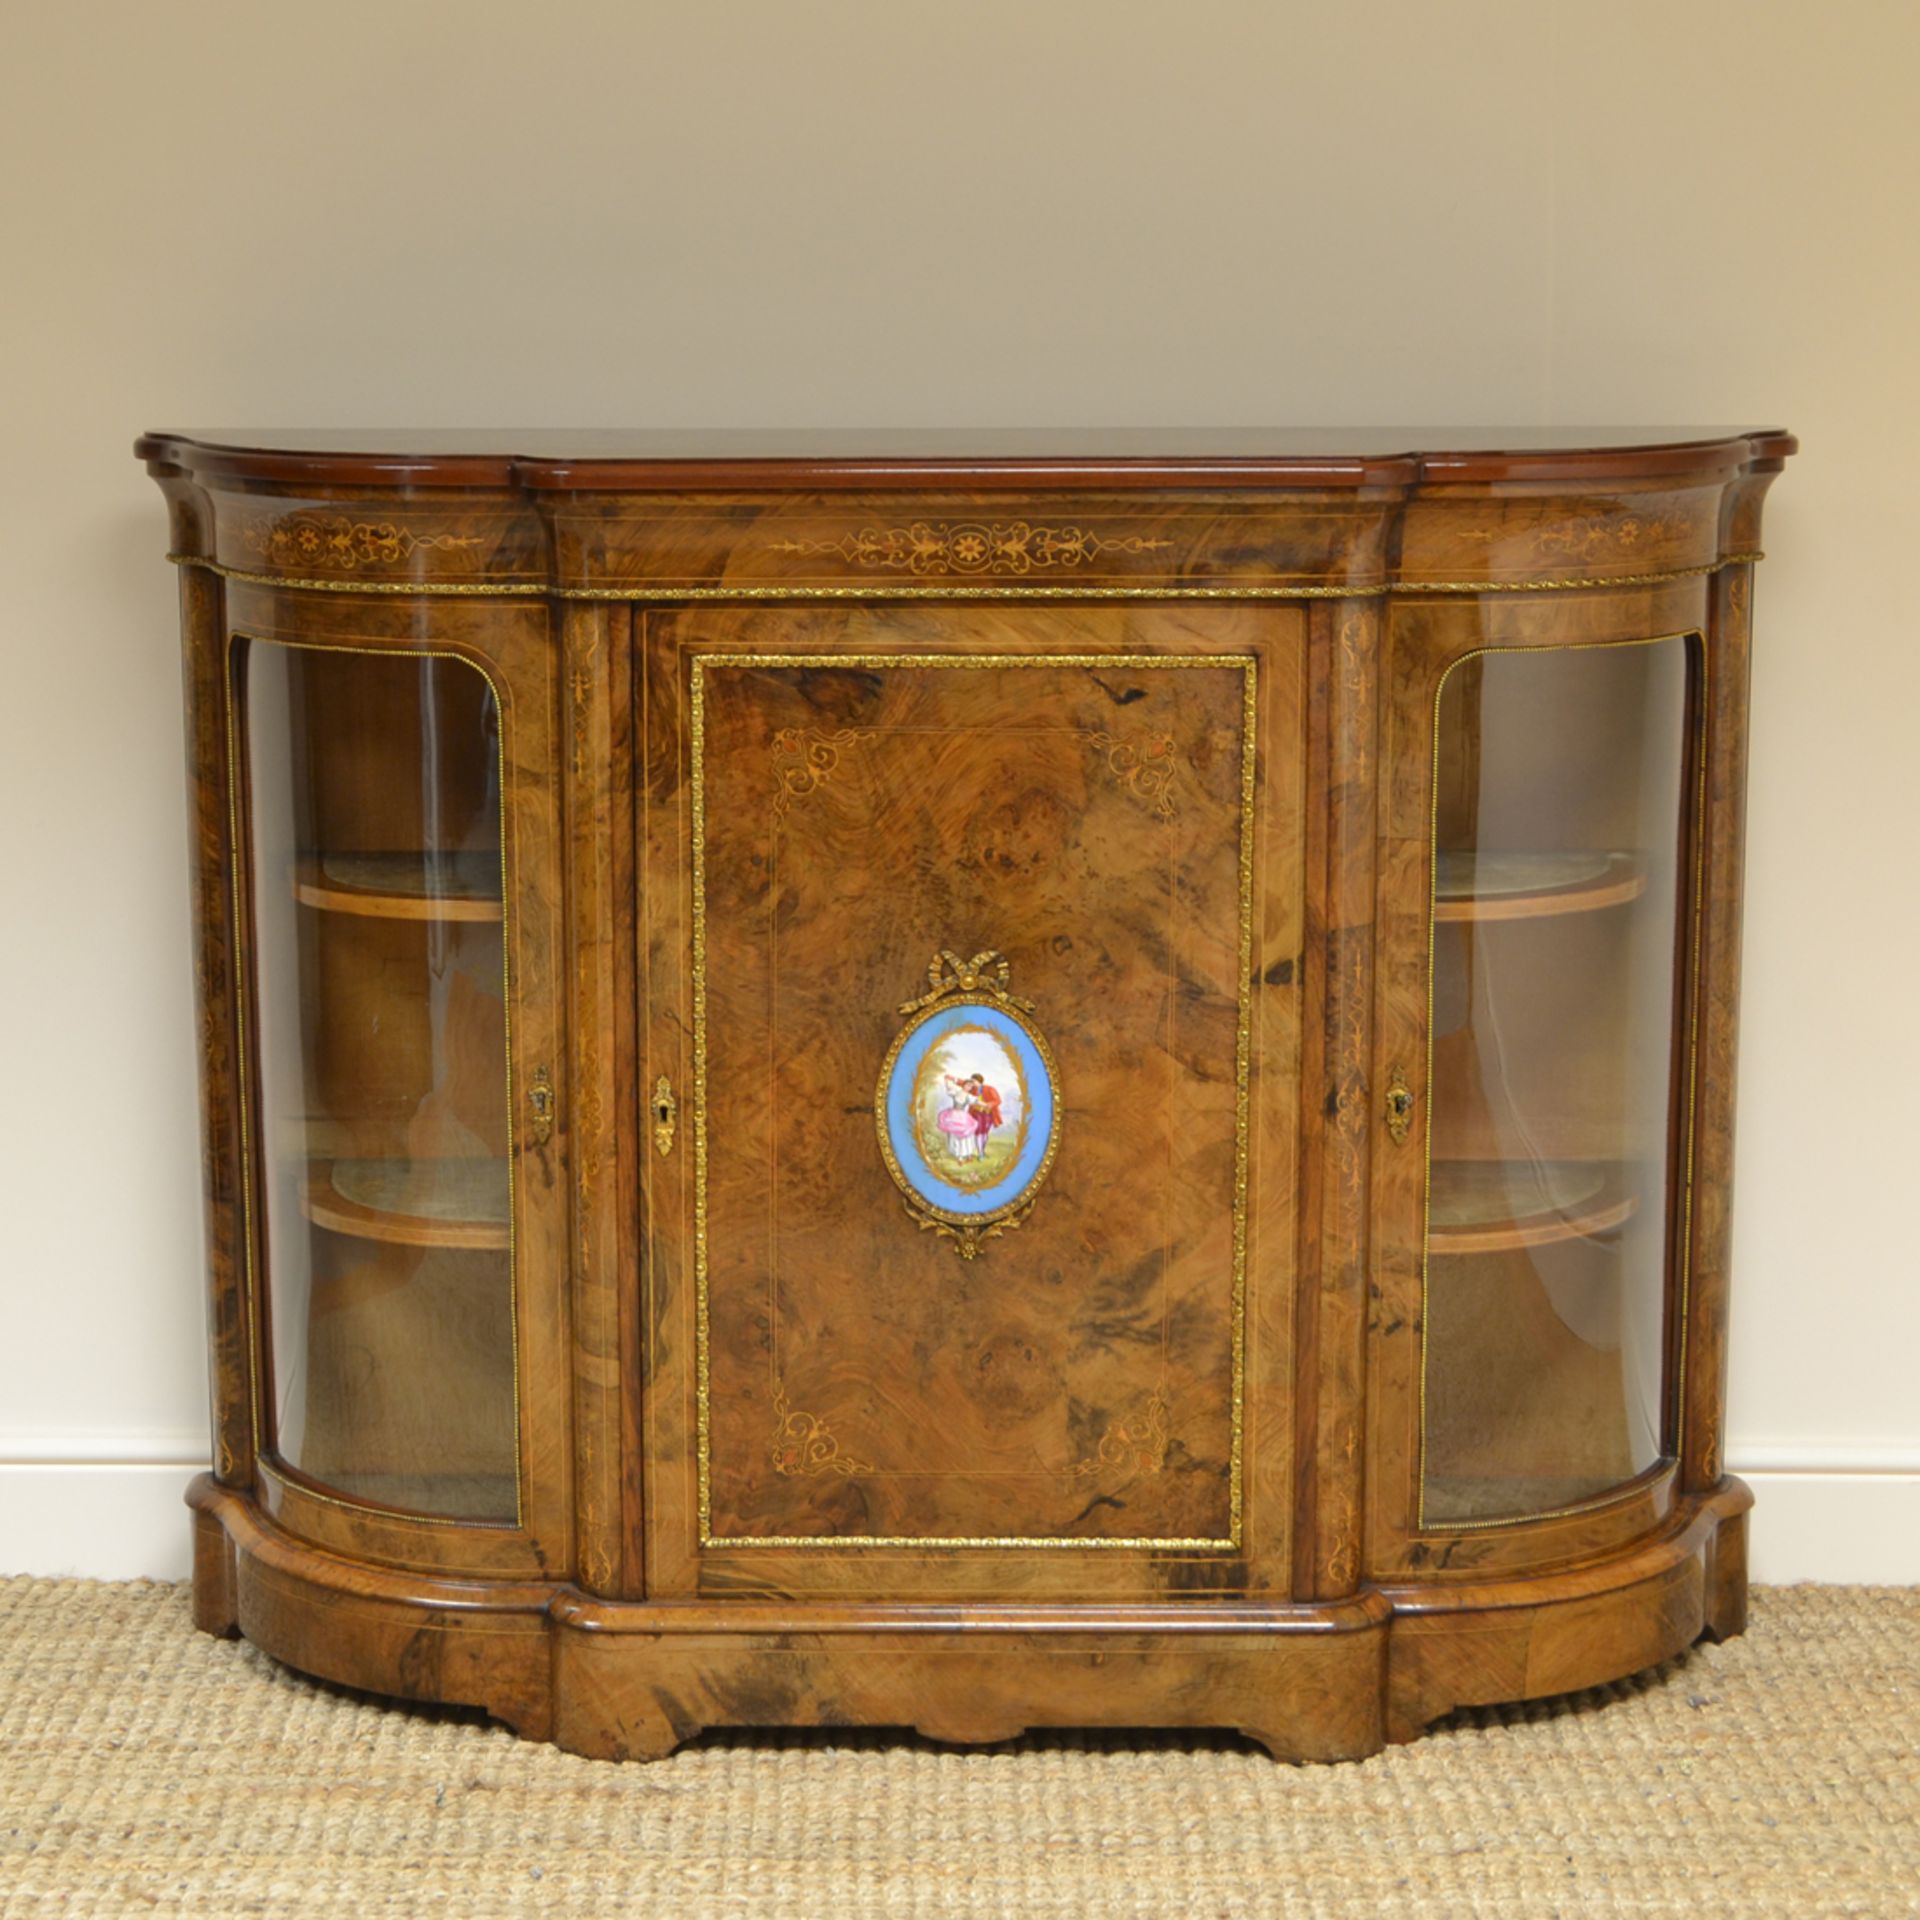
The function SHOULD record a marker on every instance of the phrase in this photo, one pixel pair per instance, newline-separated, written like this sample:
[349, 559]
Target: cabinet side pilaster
[210, 816]
[1345, 641]
[593, 638]
[1716, 988]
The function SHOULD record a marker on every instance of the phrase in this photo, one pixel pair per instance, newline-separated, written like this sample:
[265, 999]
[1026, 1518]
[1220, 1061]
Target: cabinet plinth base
[1324, 1680]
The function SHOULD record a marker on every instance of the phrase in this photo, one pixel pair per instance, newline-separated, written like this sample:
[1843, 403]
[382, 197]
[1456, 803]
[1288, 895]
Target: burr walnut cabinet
[967, 1083]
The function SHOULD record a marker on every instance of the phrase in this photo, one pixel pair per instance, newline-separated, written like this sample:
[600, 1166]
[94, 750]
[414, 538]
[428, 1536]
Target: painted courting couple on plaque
[974, 1109]
[966, 1103]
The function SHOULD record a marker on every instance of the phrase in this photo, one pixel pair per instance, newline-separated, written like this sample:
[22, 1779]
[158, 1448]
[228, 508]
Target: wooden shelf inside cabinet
[1500, 1206]
[457, 1204]
[401, 886]
[1474, 885]
[470, 1499]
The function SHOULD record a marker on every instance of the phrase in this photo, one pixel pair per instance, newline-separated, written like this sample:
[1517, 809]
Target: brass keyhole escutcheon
[665, 1115]
[540, 1100]
[1399, 1108]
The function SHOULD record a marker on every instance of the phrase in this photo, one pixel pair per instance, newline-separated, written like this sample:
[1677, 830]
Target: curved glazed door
[970, 1249]
[1539, 1067]
[396, 912]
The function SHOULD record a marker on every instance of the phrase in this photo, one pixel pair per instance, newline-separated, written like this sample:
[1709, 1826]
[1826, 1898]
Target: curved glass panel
[1557, 1078]
[381, 1164]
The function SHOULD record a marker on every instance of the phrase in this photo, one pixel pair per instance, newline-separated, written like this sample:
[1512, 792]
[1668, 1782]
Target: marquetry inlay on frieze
[643, 547]
[492, 547]
[973, 546]
[309, 540]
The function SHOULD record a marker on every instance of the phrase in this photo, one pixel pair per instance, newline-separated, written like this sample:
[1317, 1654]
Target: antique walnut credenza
[969, 1083]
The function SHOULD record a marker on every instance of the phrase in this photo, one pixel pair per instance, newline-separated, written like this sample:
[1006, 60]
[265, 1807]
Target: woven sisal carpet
[146, 1769]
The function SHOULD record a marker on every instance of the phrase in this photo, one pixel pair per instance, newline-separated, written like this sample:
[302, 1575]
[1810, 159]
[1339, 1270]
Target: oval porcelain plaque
[968, 1114]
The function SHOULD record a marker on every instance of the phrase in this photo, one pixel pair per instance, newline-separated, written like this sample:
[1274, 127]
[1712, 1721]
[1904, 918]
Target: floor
[147, 1769]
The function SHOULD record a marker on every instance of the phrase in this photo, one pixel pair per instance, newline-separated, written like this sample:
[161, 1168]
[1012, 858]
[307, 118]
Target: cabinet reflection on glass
[381, 1167]
[1558, 1074]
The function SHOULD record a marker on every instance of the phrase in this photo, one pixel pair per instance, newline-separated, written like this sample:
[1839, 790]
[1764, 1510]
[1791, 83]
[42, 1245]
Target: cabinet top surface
[903, 457]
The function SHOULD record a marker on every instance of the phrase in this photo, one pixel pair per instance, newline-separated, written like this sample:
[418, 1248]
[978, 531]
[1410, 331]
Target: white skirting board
[122, 1519]
[103, 1519]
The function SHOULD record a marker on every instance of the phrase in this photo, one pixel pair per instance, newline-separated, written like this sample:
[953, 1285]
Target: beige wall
[1062, 211]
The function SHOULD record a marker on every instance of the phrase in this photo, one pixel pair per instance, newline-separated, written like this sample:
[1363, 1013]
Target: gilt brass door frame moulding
[1002, 590]
[698, 664]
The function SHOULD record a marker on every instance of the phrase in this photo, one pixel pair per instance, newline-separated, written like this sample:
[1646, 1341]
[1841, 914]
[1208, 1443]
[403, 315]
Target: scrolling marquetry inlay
[1138, 1445]
[804, 1444]
[349, 544]
[972, 546]
[1598, 536]
[805, 759]
[1145, 768]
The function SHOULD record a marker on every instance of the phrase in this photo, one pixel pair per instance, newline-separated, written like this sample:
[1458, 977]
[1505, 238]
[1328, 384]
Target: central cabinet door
[971, 1086]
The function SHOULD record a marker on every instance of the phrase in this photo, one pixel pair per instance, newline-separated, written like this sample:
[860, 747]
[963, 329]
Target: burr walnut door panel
[968, 941]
